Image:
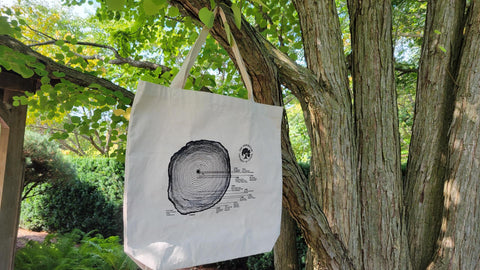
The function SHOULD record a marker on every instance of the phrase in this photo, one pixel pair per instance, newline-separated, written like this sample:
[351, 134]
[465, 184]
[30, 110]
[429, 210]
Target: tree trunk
[427, 161]
[460, 228]
[384, 244]
[285, 249]
[328, 116]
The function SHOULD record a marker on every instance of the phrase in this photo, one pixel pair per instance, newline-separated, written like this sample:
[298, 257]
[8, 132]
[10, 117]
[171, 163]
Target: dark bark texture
[427, 163]
[285, 250]
[384, 244]
[460, 227]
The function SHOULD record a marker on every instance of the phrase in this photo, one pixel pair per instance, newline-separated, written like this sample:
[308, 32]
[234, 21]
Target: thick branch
[119, 60]
[72, 75]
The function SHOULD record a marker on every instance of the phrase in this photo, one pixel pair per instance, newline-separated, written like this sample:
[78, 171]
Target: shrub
[74, 250]
[107, 174]
[43, 163]
[91, 201]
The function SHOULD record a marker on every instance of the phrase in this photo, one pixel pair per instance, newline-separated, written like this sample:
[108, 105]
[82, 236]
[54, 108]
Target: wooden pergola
[12, 122]
[12, 162]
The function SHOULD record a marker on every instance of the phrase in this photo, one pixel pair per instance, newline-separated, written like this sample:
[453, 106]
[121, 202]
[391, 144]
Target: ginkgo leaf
[115, 4]
[237, 15]
[206, 16]
[152, 7]
[118, 112]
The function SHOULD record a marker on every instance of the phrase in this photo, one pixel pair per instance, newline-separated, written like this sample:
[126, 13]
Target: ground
[24, 236]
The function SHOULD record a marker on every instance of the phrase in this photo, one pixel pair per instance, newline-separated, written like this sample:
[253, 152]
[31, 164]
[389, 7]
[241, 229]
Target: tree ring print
[198, 176]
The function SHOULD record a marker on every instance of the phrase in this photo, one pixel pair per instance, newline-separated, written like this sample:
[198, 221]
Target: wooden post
[12, 163]
[11, 138]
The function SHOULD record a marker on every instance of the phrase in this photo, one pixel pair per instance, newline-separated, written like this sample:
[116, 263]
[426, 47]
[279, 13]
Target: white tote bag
[203, 175]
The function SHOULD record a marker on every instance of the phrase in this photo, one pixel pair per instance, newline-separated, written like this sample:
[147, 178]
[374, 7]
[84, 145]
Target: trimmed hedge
[91, 201]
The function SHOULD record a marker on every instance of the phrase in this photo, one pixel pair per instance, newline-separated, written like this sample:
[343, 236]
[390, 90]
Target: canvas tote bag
[203, 175]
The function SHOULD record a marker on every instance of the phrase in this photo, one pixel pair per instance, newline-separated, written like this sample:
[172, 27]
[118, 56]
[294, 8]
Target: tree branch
[72, 75]
[404, 70]
[119, 60]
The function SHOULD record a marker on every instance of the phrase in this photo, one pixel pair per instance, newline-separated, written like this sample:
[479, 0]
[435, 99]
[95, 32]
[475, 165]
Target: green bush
[107, 174]
[75, 250]
[261, 261]
[90, 201]
[43, 163]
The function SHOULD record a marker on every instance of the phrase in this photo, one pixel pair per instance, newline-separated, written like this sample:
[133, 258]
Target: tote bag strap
[182, 75]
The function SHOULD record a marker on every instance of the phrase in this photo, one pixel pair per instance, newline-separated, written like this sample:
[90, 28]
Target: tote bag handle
[182, 75]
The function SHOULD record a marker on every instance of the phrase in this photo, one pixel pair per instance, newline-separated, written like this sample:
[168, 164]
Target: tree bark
[328, 116]
[427, 160]
[460, 233]
[384, 244]
[285, 250]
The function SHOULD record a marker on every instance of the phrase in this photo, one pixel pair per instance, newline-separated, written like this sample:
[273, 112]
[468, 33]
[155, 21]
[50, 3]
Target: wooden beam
[14, 163]
[4, 132]
[14, 82]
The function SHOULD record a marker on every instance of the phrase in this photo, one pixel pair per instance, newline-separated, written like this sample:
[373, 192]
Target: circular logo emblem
[245, 153]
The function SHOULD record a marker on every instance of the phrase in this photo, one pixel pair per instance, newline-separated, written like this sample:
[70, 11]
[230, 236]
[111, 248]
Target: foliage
[43, 163]
[261, 262]
[61, 100]
[406, 105]
[93, 201]
[106, 174]
[75, 250]
[298, 131]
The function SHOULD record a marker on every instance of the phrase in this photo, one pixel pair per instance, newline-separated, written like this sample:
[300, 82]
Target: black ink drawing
[198, 176]
[245, 153]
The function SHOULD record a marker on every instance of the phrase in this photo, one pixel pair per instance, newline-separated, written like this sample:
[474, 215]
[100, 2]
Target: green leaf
[237, 15]
[212, 4]
[26, 72]
[151, 7]
[46, 87]
[442, 48]
[110, 100]
[173, 12]
[229, 33]
[437, 32]
[115, 5]
[5, 28]
[75, 119]
[58, 74]
[65, 48]
[259, 2]
[68, 127]
[16, 103]
[59, 42]
[206, 16]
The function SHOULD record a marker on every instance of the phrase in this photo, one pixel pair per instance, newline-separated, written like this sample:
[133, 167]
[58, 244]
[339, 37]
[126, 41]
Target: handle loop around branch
[181, 78]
